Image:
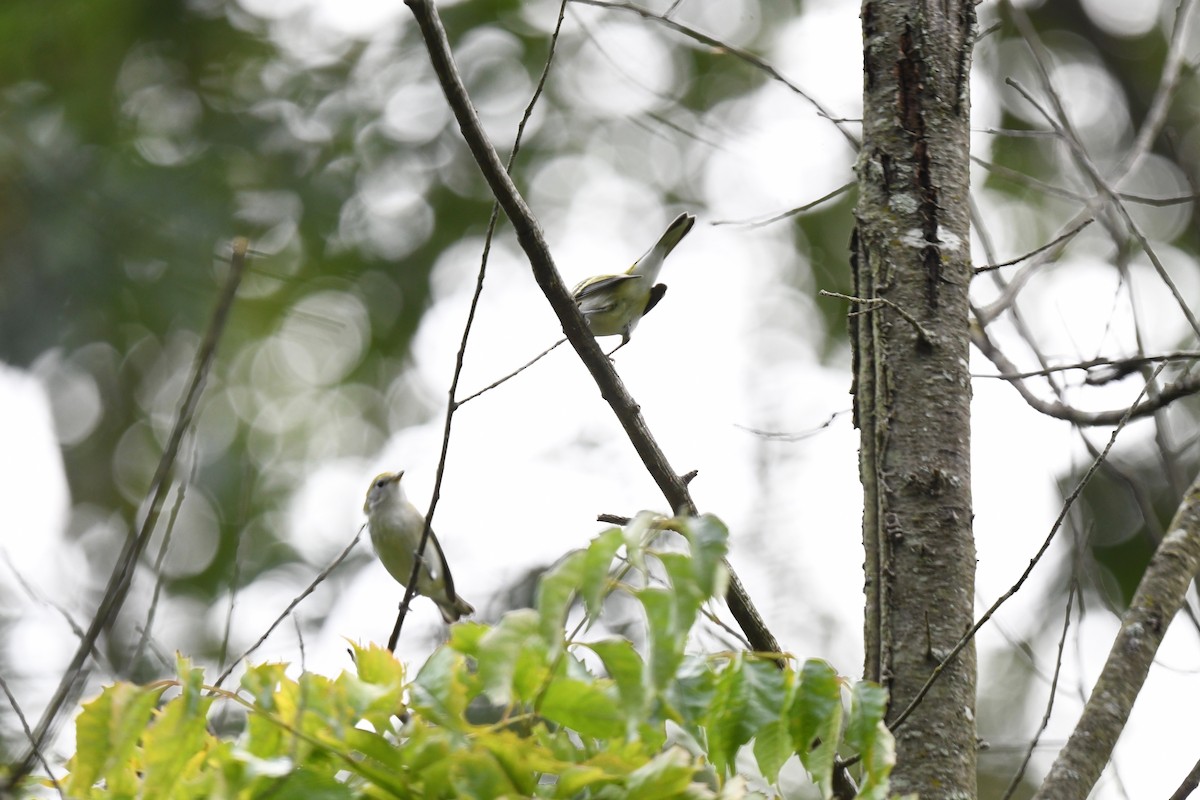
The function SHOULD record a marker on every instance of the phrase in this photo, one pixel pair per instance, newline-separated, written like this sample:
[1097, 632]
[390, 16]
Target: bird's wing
[592, 294]
[435, 560]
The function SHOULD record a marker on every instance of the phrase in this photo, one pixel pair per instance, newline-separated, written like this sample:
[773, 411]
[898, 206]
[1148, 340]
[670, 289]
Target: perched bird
[396, 527]
[613, 304]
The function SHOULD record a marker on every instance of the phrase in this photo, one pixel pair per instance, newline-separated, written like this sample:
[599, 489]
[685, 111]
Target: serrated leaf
[689, 695]
[815, 721]
[749, 696]
[304, 784]
[555, 591]
[438, 692]
[709, 540]
[106, 733]
[772, 749]
[171, 745]
[262, 682]
[666, 641]
[511, 658]
[637, 535]
[587, 707]
[666, 775]
[597, 563]
[686, 593]
[627, 671]
[867, 733]
[375, 694]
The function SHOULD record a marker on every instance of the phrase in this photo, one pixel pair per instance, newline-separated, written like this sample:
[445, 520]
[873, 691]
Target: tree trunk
[911, 262]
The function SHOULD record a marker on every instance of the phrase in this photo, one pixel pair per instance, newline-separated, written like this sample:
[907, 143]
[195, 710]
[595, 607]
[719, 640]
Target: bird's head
[385, 488]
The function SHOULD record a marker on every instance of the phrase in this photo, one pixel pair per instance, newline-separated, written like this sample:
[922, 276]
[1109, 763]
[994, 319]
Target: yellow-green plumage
[614, 304]
[396, 527]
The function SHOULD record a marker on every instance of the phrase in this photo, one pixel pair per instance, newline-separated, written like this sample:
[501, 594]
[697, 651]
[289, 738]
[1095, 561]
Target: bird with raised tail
[614, 304]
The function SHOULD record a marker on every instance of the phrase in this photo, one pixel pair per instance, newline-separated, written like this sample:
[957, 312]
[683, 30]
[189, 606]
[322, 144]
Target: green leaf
[304, 784]
[587, 707]
[666, 775]
[376, 693]
[512, 658]
[625, 667]
[556, 590]
[690, 694]
[666, 641]
[687, 595]
[749, 696]
[597, 562]
[815, 721]
[106, 733]
[176, 741]
[772, 748]
[637, 535]
[866, 733]
[439, 692]
[709, 540]
[262, 682]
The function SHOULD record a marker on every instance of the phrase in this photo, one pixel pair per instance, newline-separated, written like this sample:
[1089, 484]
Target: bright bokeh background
[315, 128]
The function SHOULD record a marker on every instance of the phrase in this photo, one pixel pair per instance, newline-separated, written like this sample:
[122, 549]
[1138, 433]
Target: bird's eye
[382, 482]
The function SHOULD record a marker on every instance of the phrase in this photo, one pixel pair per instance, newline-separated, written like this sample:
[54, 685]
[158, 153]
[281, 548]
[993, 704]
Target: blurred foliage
[572, 720]
[137, 137]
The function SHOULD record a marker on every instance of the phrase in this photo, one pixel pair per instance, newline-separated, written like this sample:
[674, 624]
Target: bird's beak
[398, 476]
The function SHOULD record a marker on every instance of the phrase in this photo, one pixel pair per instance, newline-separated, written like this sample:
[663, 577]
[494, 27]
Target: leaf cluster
[515, 709]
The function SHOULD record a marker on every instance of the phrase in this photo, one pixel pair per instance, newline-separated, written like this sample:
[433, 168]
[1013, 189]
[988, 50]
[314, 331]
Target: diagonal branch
[73, 681]
[529, 235]
[1158, 598]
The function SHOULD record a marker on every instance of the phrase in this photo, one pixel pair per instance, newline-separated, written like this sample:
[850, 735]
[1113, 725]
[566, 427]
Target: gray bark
[911, 262]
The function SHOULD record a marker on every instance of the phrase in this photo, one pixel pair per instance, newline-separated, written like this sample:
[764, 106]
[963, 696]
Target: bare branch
[452, 404]
[530, 237]
[1058, 240]
[1184, 387]
[791, 212]
[1189, 784]
[1033, 562]
[736, 52]
[1085, 162]
[317, 581]
[1159, 596]
[117, 590]
[1118, 367]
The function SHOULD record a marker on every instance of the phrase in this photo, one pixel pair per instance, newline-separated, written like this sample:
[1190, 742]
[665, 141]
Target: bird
[614, 304]
[396, 527]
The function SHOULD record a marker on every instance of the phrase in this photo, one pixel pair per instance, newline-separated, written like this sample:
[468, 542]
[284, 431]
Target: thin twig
[1058, 662]
[1189, 784]
[317, 581]
[452, 404]
[795, 437]
[37, 750]
[530, 237]
[1183, 387]
[736, 52]
[117, 590]
[163, 549]
[1049, 245]
[790, 212]
[925, 336]
[1033, 562]
[1085, 162]
[512, 374]
[1121, 367]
